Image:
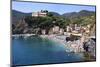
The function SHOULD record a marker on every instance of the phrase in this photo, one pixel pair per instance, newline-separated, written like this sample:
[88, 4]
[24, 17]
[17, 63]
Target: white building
[43, 32]
[41, 14]
[56, 29]
[67, 28]
[61, 31]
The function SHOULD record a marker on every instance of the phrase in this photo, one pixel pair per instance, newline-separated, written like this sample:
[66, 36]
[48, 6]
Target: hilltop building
[39, 14]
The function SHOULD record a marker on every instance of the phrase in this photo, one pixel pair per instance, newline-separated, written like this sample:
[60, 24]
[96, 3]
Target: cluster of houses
[72, 28]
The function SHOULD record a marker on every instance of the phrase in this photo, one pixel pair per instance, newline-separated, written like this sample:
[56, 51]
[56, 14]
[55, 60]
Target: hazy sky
[60, 8]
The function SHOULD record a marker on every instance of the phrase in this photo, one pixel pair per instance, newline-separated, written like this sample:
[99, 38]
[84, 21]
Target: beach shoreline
[74, 46]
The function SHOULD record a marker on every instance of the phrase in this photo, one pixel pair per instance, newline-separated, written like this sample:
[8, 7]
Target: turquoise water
[36, 50]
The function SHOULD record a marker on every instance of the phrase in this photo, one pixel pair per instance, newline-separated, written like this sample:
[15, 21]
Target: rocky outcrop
[90, 46]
